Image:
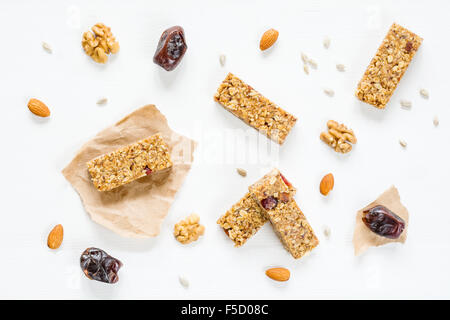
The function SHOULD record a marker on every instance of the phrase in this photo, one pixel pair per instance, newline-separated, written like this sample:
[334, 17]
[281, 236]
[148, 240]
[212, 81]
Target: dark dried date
[171, 48]
[98, 265]
[383, 222]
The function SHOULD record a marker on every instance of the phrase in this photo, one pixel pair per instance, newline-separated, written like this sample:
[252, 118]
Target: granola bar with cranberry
[275, 195]
[129, 163]
[388, 66]
[254, 109]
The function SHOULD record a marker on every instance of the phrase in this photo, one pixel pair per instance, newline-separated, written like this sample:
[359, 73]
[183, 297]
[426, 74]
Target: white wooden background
[35, 196]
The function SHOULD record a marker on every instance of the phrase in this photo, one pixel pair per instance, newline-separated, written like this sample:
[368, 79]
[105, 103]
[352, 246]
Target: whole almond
[278, 274]
[55, 237]
[38, 108]
[327, 184]
[268, 39]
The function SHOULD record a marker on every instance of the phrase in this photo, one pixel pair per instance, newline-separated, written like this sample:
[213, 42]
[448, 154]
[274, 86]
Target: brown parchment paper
[137, 209]
[363, 238]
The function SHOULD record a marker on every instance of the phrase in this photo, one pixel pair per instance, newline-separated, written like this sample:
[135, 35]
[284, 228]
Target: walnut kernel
[338, 137]
[189, 229]
[99, 43]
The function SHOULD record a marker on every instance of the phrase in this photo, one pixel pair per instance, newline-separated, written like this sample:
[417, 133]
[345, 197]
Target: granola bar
[254, 109]
[275, 195]
[388, 66]
[243, 220]
[129, 163]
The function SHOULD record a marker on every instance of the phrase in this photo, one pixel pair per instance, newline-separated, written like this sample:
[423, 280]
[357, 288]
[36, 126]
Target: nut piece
[436, 121]
[268, 39]
[329, 92]
[183, 281]
[99, 43]
[403, 143]
[55, 237]
[406, 104]
[222, 59]
[189, 229]
[278, 274]
[424, 93]
[102, 101]
[38, 108]
[326, 42]
[46, 47]
[340, 67]
[338, 137]
[242, 172]
[327, 184]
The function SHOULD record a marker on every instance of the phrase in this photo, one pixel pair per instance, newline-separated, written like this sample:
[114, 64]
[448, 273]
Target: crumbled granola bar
[189, 229]
[129, 163]
[275, 194]
[243, 220]
[388, 66]
[254, 109]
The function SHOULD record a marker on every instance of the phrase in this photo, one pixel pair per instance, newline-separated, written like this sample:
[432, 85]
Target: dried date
[98, 265]
[171, 48]
[383, 222]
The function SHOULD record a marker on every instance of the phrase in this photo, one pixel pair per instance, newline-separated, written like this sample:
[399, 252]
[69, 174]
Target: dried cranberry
[171, 48]
[98, 265]
[383, 222]
[409, 46]
[147, 170]
[269, 203]
[284, 197]
[285, 181]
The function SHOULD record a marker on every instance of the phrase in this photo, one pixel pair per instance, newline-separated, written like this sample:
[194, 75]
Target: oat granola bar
[388, 66]
[243, 220]
[129, 163]
[275, 195]
[254, 109]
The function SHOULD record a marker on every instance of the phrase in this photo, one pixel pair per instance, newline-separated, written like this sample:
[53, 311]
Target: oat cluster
[99, 43]
[189, 229]
[254, 109]
[388, 66]
[339, 137]
[129, 163]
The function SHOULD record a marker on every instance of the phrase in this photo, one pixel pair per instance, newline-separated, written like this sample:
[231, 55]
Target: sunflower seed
[306, 68]
[403, 143]
[304, 58]
[222, 59]
[47, 47]
[328, 92]
[424, 93]
[326, 42]
[242, 172]
[405, 104]
[436, 121]
[312, 63]
[102, 101]
[183, 281]
[340, 67]
[327, 232]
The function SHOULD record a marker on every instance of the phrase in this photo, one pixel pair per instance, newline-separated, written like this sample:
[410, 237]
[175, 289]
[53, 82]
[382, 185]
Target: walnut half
[338, 137]
[99, 43]
[189, 229]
